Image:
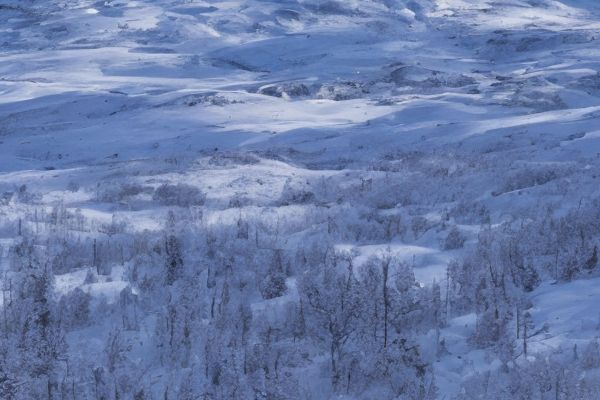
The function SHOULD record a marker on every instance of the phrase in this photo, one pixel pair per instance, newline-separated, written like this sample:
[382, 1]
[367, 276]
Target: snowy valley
[299, 199]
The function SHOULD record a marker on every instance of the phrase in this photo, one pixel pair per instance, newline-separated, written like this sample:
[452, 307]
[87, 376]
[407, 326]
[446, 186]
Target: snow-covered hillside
[299, 199]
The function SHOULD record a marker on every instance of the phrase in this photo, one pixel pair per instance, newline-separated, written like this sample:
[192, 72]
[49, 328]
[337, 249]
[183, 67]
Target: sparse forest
[314, 200]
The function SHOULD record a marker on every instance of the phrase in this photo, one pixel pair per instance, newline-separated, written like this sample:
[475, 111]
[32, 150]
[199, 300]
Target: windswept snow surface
[435, 112]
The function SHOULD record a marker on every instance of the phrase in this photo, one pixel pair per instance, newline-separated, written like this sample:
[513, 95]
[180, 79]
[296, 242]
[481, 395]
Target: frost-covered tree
[33, 343]
[330, 292]
[173, 252]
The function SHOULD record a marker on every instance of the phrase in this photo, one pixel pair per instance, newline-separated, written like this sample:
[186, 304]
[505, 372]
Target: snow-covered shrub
[470, 213]
[75, 308]
[273, 285]
[228, 159]
[23, 195]
[454, 240]
[6, 197]
[116, 226]
[271, 271]
[530, 176]
[68, 255]
[419, 225]
[590, 358]
[558, 375]
[114, 193]
[73, 186]
[239, 200]
[181, 195]
[296, 194]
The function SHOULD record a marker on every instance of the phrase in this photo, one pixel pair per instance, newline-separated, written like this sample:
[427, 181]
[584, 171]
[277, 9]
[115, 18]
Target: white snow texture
[299, 199]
